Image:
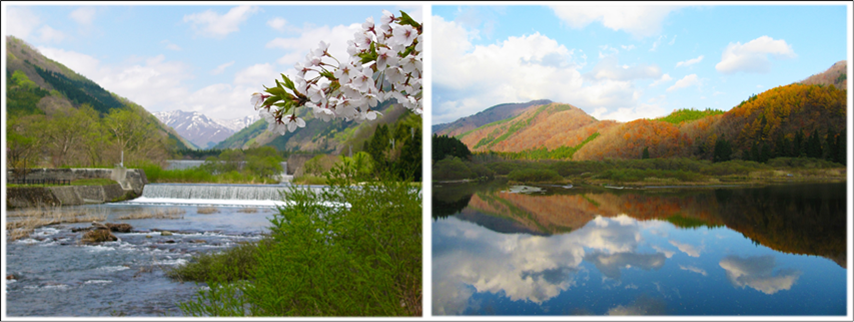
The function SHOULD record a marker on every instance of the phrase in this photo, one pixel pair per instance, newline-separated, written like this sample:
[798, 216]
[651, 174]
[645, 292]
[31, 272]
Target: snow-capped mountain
[238, 123]
[203, 131]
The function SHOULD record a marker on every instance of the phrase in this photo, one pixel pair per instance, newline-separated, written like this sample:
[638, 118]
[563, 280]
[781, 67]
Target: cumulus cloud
[639, 21]
[48, 34]
[664, 78]
[83, 15]
[693, 269]
[753, 57]
[171, 46]
[643, 305]
[211, 24]
[608, 68]
[257, 74]
[688, 249]
[689, 62]
[20, 22]
[297, 47]
[219, 69]
[277, 23]
[469, 78]
[687, 81]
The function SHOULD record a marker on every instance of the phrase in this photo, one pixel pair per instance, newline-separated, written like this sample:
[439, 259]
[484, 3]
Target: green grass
[155, 174]
[364, 259]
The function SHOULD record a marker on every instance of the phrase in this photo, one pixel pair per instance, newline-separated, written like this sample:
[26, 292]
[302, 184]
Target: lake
[549, 250]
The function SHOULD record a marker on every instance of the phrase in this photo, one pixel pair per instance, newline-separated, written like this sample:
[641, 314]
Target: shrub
[344, 251]
[534, 175]
[451, 169]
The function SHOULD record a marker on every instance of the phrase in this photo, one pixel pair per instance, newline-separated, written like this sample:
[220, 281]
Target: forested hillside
[796, 120]
[56, 117]
[835, 75]
[492, 114]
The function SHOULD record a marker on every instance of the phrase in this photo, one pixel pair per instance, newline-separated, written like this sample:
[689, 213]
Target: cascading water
[214, 194]
[211, 191]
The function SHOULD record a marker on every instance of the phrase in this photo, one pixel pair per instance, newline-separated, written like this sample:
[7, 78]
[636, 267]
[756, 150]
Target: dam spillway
[215, 194]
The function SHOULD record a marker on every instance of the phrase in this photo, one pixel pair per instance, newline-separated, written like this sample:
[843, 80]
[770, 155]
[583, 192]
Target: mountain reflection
[793, 219]
[533, 248]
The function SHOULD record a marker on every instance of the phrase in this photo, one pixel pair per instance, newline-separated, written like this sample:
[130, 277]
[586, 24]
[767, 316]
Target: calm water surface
[778, 250]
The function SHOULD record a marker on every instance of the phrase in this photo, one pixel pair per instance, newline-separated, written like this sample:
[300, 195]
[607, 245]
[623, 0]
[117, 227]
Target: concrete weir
[130, 183]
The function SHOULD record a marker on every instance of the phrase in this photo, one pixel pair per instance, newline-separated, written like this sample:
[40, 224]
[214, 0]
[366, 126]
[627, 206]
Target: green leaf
[405, 19]
[288, 82]
[277, 91]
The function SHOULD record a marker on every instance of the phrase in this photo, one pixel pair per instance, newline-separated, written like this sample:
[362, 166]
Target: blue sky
[624, 63]
[205, 58]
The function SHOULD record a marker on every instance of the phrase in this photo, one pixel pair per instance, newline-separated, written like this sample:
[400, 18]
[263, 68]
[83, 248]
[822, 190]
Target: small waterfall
[214, 191]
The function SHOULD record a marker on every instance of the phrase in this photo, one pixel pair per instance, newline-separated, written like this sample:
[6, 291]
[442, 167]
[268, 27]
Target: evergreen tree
[814, 145]
[754, 153]
[765, 153]
[723, 150]
[830, 145]
[645, 154]
[798, 148]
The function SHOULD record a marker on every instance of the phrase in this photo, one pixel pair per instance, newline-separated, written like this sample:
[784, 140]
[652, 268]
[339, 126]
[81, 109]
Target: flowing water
[503, 250]
[57, 275]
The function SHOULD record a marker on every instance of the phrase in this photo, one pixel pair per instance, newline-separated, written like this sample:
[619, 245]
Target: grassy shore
[659, 172]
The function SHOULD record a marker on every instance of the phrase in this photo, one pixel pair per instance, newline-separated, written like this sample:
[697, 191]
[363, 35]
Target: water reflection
[630, 252]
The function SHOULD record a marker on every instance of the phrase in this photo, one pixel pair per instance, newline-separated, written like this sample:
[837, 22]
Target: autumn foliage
[794, 120]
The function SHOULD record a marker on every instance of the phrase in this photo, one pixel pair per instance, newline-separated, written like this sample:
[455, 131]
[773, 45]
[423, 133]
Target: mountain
[317, 136]
[42, 90]
[239, 123]
[799, 119]
[203, 131]
[492, 114]
[835, 75]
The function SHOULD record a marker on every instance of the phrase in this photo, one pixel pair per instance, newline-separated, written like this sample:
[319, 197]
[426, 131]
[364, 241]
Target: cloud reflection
[757, 273]
[526, 267]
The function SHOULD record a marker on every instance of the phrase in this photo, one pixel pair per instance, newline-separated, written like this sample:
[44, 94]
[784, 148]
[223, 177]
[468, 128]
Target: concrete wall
[64, 195]
[129, 179]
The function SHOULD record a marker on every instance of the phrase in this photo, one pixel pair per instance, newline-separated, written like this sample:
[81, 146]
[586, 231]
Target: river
[56, 275]
[502, 250]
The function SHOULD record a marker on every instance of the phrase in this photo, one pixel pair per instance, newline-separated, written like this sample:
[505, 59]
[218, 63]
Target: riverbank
[652, 172]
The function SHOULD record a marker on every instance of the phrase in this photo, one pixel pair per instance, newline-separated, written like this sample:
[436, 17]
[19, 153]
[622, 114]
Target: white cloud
[608, 68]
[171, 46]
[219, 69]
[690, 62]
[672, 41]
[694, 269]
[157, 84]
[687, 81]
[752, 57]
[639, 21]
[212, 24]
[664, 78]
[308, 39]
[20, 22]
[656, 43]
[48, 34]
[83, 15]
[626, 114]
[628, 48]
[257, 74]
[277, 23]
[469, 78]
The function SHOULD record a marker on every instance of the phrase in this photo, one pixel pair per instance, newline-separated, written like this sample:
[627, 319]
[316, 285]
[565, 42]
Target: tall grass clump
[349, 250]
